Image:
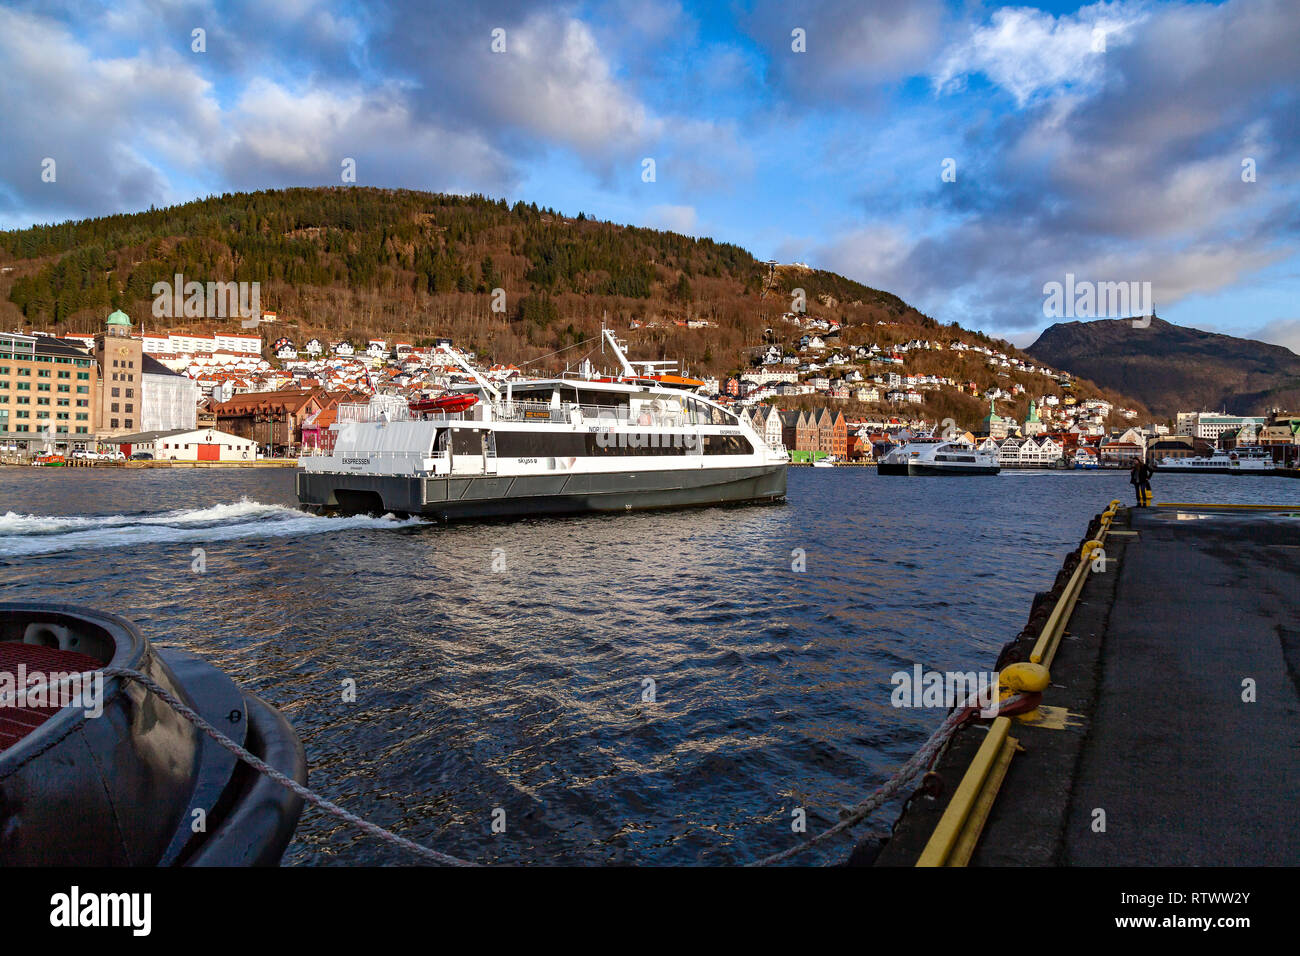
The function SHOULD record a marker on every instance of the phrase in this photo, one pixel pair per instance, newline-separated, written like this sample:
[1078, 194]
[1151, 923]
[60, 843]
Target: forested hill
[358, 259]
[357, 263]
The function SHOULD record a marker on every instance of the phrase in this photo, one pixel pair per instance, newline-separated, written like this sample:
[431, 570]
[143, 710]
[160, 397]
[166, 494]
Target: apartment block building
[47, 392]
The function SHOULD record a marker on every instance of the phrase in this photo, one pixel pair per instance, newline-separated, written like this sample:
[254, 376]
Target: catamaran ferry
[1240, 461]
[936, 456]
[551, 446]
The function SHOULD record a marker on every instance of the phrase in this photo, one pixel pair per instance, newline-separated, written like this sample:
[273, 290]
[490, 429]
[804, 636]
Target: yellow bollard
[1022, 677]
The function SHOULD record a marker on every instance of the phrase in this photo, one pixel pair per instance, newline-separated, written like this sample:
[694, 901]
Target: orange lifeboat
[449, 404]
[672, 381]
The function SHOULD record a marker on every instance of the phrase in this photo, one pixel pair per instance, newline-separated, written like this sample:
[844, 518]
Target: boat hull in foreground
[121, 787]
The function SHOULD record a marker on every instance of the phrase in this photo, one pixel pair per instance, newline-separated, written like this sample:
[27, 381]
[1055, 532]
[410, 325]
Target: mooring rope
[262, 767]
[374, 829]
[850, 818]
[901, 778]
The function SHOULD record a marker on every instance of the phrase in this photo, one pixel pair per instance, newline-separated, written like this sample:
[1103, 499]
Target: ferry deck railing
[523, 411]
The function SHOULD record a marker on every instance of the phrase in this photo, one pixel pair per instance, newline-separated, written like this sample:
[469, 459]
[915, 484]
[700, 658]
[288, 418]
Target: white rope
[288, 782]
[885, 792]
[890, 788]
[262, 767]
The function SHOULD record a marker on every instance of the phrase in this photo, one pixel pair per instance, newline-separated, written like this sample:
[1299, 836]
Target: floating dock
[1167, 729]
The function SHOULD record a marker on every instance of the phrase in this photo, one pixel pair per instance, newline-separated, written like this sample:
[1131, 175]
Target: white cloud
[1028, 52]
[1283, 332]
[555, 82]
[304, 135]
[110, 124]
[673, 218]
[875, 255]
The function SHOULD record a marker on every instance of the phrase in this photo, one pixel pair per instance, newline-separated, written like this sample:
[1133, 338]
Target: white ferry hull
[451, 497]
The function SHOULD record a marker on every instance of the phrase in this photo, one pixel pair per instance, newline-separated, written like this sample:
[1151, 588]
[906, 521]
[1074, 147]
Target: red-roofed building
[274, 419]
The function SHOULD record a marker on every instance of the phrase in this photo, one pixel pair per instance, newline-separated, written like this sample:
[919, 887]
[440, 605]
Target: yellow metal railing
[958, 831]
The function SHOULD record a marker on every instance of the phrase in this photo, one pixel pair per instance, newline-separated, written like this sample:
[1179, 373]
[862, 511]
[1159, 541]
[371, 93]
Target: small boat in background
[116, 776]
[830, 461]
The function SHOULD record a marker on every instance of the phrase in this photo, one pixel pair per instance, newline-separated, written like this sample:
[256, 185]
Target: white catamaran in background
[1243, 460]
[565, 445]
[938, 456]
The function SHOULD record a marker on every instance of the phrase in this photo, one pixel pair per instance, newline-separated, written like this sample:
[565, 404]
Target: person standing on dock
[1140, 478]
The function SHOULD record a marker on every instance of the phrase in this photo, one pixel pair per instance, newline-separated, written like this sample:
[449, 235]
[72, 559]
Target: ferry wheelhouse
[547, 446]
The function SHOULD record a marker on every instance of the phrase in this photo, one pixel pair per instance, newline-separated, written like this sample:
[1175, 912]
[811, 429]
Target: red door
[209, 452]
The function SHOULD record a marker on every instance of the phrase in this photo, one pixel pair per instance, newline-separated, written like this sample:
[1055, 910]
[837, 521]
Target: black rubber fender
[264, 814]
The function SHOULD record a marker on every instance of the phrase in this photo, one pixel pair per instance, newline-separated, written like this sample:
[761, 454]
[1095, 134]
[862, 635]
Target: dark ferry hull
[1177, 470]
[935, 470]
[450, 498]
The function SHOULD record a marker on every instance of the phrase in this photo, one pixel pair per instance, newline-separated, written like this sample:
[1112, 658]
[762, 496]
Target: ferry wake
[573, 444]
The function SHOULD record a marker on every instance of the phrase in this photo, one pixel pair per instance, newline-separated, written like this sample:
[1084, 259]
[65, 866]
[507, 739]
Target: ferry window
[636, 444]
[603, 399]
[466, 441]
[522, 444]
[727, 445]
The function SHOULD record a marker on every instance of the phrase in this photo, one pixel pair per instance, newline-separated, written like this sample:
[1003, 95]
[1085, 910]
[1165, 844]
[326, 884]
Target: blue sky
[1104, 140]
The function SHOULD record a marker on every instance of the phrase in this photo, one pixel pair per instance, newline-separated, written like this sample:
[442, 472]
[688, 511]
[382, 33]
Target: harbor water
[651, 688]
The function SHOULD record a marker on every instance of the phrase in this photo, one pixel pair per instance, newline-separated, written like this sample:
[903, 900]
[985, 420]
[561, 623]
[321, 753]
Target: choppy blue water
[504, 665]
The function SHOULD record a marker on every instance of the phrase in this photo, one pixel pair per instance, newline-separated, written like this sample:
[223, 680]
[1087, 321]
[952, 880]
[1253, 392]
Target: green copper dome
[119, 318]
